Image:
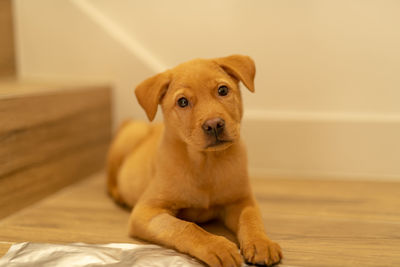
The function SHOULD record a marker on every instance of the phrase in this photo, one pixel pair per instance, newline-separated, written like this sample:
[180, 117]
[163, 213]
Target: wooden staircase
[7, 54]
[50, 136]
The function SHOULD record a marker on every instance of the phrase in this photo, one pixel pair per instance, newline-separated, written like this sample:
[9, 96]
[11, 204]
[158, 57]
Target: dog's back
[128, 136]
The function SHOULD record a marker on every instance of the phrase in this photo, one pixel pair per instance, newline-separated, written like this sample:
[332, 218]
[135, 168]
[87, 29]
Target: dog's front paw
[261, 251]
[220, 252]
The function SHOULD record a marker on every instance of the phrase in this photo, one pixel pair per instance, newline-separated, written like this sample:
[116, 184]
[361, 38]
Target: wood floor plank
[4, 247]
[314, 227]
[364, 200]
[80, 213]
[308, 241]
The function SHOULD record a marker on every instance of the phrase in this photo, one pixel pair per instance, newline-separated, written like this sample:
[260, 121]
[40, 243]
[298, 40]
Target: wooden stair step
[50, 135]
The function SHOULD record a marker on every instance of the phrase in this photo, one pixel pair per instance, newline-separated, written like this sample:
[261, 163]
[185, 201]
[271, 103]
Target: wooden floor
[318, 223]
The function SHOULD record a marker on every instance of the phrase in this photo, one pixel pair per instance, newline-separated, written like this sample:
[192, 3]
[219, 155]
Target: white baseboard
[323, 145]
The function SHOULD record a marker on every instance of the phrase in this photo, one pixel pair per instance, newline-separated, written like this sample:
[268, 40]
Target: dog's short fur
[192, 168]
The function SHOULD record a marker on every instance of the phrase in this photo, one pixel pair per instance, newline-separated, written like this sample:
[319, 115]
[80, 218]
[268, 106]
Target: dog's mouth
[219, 143]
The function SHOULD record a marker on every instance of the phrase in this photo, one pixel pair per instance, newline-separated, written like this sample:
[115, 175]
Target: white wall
[56, 40]
[324, 56]
[327, 84]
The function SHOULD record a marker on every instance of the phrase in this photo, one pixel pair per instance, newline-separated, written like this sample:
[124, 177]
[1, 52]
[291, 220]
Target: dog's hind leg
[128, 136]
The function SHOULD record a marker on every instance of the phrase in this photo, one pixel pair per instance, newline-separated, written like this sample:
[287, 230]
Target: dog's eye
[223, 90]
[183, 102]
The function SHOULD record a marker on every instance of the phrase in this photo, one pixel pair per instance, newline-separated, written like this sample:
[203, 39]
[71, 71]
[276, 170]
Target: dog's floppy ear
[240, 67]
[150, 92]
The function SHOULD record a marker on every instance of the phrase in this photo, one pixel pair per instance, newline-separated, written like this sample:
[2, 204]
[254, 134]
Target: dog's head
[200, 99]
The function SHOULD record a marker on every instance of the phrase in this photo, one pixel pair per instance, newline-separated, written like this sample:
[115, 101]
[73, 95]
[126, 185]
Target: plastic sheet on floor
[87, 255]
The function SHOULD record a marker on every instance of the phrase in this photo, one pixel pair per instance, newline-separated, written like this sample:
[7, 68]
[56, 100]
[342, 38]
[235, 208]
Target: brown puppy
[192, 168]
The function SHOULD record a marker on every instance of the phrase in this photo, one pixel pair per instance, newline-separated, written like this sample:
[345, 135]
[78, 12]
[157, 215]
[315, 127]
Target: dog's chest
[218, 186]
[205, 201]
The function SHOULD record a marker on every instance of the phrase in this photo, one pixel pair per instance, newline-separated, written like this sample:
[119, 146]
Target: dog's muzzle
[214, 128]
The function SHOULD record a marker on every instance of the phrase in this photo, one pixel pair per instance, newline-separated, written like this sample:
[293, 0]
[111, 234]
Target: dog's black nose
[214, 126]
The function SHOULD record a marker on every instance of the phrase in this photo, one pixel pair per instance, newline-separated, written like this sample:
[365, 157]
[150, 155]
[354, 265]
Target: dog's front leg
[160, 225]
[244, 218]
